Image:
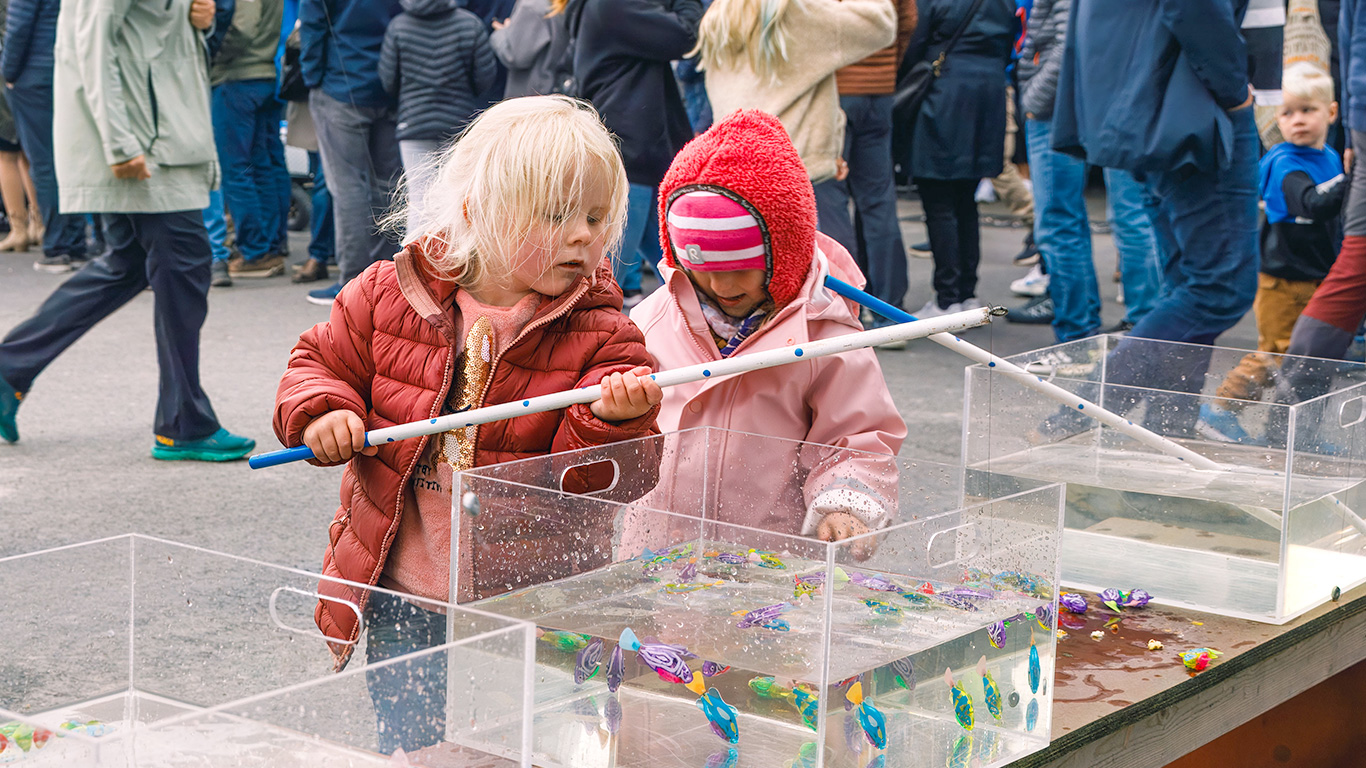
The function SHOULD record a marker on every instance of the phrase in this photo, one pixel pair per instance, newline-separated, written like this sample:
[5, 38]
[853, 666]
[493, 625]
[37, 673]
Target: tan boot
[35, 229]
[17, 240]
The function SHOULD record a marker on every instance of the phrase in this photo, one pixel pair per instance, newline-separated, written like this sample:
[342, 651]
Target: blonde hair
[519, 163]
[749, 31]
[1305, 81]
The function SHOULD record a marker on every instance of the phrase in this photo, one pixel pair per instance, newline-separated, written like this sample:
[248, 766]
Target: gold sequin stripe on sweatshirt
[457, 445]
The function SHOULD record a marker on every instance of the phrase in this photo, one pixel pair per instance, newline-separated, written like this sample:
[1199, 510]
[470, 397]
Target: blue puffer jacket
[339, 43]
[1145, 84]
[29, 38]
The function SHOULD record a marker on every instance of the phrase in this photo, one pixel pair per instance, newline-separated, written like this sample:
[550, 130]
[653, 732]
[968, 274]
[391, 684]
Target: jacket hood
[749, 158]
[427, 8]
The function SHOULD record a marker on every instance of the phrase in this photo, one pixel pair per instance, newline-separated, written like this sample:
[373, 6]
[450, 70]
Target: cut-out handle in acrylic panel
[964, 547]
[1352, 412]
[584, 480]
[312, 631]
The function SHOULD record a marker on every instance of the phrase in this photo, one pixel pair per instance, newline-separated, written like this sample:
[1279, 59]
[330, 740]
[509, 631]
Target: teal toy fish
[962, 702]
[991, 691]
[569, 642]
[806, 703]
[873, 722]
[1032, 714]
[881, 607]
[720, 715]
[1035, 669]
[962, 752]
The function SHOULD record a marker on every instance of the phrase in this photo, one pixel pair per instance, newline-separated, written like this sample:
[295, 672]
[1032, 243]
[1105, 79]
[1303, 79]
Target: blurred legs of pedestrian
[62, 234]
[361, 160]
[1011, 187]
[1140, 278]
[321, 241]
[419, 168]
[868, 151]
[246, 117]
[169, 252]
[14, 186]
[216, 224]
[639, 243]
[956, 240]
[1063, 234]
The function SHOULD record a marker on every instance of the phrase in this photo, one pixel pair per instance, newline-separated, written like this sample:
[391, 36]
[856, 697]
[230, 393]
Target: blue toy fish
[962, 702]
[878, 761]
[881, 607]
[1032, 714]
[1035, 669]
[873, 722]
[616, 670]
[904, 672]
[611, 712]
[806, 703]
[721, 716]
[991, 691]
[588, 661]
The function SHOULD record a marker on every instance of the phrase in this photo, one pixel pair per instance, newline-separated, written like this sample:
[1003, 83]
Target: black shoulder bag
[915, 86]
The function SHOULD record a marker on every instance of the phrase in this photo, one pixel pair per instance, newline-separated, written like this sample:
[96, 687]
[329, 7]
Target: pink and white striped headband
[712, 233]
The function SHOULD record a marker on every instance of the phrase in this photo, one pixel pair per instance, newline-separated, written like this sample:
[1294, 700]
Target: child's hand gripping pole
[732, 365]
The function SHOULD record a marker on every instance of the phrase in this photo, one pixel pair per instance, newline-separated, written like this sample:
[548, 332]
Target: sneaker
[9, 407]
[267, 266]
[1123, 326]
[923, 246]
[219, 272]
[311, 271]
[967, 304]
[54, 264]
[1220, 424]
[931, 309]
[1035, 283]
[1064, 423]
[1058, 362]
[1038, 311]
[1029, 256]
[220, 446]
[324, 296]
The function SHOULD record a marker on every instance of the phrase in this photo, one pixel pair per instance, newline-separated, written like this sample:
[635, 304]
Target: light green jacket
[131, 79]
[248, 51]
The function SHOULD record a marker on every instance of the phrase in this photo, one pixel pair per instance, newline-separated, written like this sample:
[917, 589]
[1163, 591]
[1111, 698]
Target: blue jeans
[640, 240]
[868, 151]
[321, 242]
[1063, 234]
[63, 233]
[217, 225]
[409, 698]
[1135, 242]
[246, 128]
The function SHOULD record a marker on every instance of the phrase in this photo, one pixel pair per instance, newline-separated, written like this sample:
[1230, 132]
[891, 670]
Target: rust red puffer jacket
[388, 354]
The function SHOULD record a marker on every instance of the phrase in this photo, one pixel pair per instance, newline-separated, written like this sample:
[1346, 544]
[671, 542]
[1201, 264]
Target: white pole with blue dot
[940, 326]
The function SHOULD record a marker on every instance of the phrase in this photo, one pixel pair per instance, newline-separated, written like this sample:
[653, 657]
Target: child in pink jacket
[743, 272]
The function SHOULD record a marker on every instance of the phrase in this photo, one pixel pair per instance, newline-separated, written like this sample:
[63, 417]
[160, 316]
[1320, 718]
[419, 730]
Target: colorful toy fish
[688, 572]
[917, 599]
[1199, 658]
[1110, 599]
[876, 582]
[588, 661]
[730, 558]
[881, 607]
[1035, 668]
[587, 710]
[903, 670]
[611, 712]
[616, 670]
[996, 633]
[666, 660]
[1136, 598]
[1044, 615]
[955, 601]
[806, 703]
[873, 722]
[728, 759]
[565, 641]
[1072, 602]
[4, 742]
[962, 752]
[1032, 714]
[990, 691]
[765, 617]
[674, 588]
[878, 761]
[819, 577]
[962, 702]
[712, 669]
[768, 688]
[806, 757]
[721, 716]
[24, 736]
[766, 559]
[803, 588]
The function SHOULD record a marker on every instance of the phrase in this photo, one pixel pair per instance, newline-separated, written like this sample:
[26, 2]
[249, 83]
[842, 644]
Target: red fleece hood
[749, 158]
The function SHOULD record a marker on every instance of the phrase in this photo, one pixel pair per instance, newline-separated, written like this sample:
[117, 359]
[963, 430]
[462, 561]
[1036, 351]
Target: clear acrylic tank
[683, 619]
[1269, 535]
[134, 651]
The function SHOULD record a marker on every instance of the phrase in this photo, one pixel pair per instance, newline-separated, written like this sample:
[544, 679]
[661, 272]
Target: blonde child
[501, 292]
[744, 270]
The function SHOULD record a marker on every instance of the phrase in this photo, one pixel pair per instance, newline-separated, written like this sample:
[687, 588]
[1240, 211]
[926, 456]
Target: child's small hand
[627, 395]
[336, 436]
[838, 526]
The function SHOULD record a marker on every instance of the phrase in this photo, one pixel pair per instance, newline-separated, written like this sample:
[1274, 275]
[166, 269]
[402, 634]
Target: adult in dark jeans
[26, 64]
[959, 137]
[151, 181]
[246, 127]
[340, 44]
[866, 90]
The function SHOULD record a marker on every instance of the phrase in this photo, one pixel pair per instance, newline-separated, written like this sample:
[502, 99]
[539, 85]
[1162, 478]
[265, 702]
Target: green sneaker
[220, 446]
[9, 406]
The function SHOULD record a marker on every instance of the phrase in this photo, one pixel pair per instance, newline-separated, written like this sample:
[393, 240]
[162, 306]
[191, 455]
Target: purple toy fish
[1072, 602]
[1110, 598]
[970, 592]
[853, 734]
[712, 669]
[955, 601]
[612, 713]
[666, 660]
[1135, 599]
[876, 582]
[763, 617]
[996, 633]
[1044, 615]
[729, 558]
[687, 573]
[588, 661]
[616, 670]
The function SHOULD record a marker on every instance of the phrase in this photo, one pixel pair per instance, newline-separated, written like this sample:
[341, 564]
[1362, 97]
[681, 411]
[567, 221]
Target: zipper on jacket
[533, 325]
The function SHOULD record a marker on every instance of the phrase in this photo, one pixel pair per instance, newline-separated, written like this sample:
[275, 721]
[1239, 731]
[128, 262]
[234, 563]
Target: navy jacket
[1145, 84]
[623, 51]
[437, 60]
[1352, 53]
[339, 42]
[29, 39]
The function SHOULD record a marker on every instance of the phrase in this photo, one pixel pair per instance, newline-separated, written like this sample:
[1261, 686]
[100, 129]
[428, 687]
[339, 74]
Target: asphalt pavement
[82, 468]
